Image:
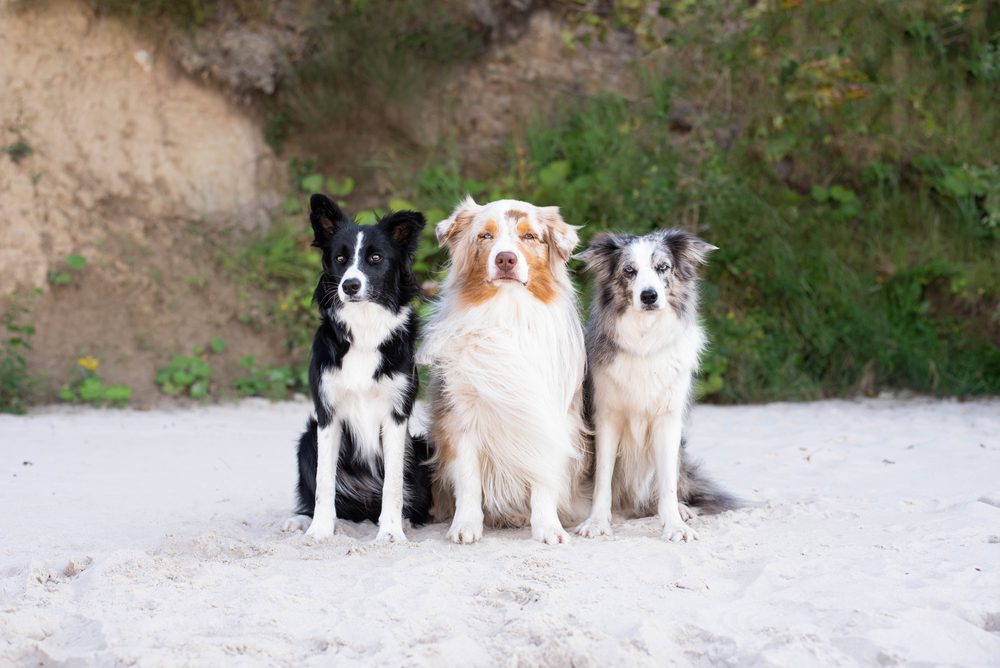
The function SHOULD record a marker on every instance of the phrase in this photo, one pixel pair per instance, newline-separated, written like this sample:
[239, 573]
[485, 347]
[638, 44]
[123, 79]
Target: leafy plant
[189, 375]
[16, 385]
[86, 386]
[18, 151]
[271, 382]
[64, 276]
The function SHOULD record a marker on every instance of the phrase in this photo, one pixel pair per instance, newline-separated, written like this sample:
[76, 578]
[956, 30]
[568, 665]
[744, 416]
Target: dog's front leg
[667, 445]
[607, 436]
[467, 481]
[327, 455]
[390, 521]
[545, 524]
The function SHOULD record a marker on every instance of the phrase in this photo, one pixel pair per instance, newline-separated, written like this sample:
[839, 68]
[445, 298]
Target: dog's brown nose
[506, 260]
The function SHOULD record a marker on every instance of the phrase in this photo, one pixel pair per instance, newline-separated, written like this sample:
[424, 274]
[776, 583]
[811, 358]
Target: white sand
[153, 539]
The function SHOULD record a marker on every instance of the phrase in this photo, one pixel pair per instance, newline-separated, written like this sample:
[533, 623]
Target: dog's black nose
[351, 286]
[648, 296]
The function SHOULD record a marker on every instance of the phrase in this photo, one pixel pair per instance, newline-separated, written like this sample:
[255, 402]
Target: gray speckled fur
[685, 253]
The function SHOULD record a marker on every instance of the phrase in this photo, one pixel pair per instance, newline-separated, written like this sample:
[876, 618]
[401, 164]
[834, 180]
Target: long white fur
[364, 406]
[640, 401]
[513, 369]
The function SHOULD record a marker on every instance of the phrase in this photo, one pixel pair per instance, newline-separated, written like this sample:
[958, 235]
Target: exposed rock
[110, 122]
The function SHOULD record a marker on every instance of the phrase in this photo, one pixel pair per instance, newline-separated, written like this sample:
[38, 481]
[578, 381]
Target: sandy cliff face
[115, 134]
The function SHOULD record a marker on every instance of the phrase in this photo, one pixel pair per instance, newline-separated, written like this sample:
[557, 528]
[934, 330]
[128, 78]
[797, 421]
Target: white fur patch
[351, 392]
[641, 253]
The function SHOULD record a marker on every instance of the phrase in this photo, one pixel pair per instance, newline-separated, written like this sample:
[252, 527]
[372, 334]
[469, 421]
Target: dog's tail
[697, 489]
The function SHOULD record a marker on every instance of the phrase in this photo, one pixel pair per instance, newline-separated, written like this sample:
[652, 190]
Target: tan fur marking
[515, 214]
[473, 286]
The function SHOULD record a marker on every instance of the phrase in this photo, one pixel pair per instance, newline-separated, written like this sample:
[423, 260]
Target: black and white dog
[643, 343]
[357, 450]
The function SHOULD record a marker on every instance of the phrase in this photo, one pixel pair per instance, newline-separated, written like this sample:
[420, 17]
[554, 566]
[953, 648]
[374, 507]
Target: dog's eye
[662, 267]
[341, 259]
[375, 258]
[529, 237]
[629, 271]
[485, 236]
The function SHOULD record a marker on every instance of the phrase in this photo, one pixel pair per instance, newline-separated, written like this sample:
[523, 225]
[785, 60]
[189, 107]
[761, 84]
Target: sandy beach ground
[153, 539]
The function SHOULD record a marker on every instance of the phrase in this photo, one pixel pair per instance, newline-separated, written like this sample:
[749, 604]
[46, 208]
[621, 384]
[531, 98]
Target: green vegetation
[86, 386]
[16, 385]
[184, 14]
[18, 151]
[190, 375]
[271, 382]
[842, 155]
[64, 275]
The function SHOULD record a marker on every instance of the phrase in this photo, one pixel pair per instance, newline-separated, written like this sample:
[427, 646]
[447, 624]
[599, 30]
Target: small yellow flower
[89, 363]
[283, 307]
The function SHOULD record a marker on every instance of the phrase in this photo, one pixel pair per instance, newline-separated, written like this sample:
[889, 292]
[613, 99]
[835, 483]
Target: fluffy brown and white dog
[507, 359]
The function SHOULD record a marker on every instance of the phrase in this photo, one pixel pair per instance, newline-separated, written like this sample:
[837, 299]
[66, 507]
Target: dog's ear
[562, 237]
[602, 253]
[404, 228]
[452, 227]
[689, 252]
[326, 218]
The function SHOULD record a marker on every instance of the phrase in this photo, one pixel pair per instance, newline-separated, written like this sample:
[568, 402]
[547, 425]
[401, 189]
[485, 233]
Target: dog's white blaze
[507, 241]
[354, 271]
[641, 252]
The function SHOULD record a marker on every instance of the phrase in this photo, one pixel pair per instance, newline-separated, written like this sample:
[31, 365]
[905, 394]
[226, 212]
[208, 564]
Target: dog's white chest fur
[651, 372]
[357, 399]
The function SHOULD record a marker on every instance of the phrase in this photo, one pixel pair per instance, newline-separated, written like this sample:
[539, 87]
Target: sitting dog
[506, 352]
[643, 344]
[357, 460]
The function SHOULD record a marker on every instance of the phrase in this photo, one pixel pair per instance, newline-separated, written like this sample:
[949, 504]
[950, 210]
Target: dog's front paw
[675, 532]
[594, 527]
[550, 535]
[686, 512]
[390, 533]
[296, 523]
[322, 527]
[465, 531]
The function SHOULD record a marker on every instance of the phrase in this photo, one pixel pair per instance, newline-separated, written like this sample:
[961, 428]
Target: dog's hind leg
[666, 435]
[390, 521]
[327, 455]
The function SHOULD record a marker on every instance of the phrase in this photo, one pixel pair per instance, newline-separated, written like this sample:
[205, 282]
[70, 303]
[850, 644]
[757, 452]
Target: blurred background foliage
[843, 155]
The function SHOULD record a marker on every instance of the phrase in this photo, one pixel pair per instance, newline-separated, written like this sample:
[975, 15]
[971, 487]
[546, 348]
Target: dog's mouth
[507, 278]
